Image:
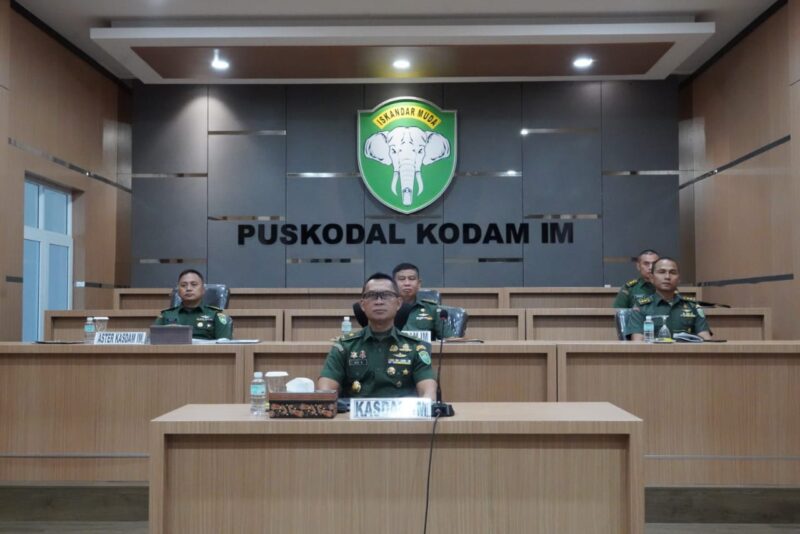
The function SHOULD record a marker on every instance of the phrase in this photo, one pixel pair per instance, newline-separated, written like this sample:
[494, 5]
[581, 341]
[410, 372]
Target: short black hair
[405, 266]
[647, 251]
[664, 258]
[380, 276]
[191, 271]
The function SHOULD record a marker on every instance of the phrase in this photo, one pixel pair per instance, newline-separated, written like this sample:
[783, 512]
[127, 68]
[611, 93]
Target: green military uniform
[207, 322]
[638, 287]
[424, 315]
[384, 365]
[683, 314]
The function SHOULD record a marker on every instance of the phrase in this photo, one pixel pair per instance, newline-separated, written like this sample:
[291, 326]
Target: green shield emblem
[407, 152]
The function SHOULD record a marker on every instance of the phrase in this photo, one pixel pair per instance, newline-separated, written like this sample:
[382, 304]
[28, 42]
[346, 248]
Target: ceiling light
[218, 63]
[523, 131]
[583, 62]
[401, 64]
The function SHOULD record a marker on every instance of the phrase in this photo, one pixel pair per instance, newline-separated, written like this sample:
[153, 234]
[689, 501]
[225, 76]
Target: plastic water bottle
[649, 330]
[88, 331]
[258, 394]
[347, 326]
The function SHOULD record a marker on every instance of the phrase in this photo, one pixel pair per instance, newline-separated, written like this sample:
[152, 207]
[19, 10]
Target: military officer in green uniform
[207, 322]
[641, 286]
[379, 360]
[683, 313]
[424, 314]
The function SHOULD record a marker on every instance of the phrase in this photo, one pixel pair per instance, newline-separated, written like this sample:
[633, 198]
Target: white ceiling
[74, 19]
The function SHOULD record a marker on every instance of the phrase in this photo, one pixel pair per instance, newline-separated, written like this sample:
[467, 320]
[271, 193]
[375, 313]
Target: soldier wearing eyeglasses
[379, 360]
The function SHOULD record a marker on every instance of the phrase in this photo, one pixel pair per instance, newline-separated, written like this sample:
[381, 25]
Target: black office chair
[430, 294]
[216, 295]
[457, 318]
[399, 319]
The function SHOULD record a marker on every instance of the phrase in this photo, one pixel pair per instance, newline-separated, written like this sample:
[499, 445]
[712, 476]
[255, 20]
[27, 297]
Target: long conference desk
[505, 467]
[327, 298]
[490, 324]
[715, 413]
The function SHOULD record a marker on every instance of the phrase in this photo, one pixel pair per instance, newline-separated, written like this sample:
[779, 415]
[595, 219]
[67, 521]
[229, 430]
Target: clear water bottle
[347, 326]
[88, 331]
[649, 329]
[258, 394]
[663, 332]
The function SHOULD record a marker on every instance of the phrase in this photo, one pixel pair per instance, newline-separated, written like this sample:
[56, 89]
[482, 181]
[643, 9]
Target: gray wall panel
[321, 127]
[169, 218]
[562, 173]
[383, 258]
[246, 107]
[248, 265]
[482, 274]
[170, 130]
[561, 105]
[374, 94]
[247, 175]
[616, 274]
[488, 125]
[640, 125]
[161, 275]
[639, 212]
[559, 264]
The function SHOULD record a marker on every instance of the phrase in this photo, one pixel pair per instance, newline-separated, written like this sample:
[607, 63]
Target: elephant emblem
[407, 149]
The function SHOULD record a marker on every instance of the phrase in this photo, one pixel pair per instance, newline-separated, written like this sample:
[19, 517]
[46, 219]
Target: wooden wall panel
[742, 98]
[5, 43]
[794, 41]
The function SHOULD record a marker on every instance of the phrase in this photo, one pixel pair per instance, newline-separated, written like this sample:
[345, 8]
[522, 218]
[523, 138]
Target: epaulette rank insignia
[631, 283]
[644, 300]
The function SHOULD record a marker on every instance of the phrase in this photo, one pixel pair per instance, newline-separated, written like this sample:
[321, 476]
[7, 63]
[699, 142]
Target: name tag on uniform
[424, 335]
[120, 338]
[400, 408]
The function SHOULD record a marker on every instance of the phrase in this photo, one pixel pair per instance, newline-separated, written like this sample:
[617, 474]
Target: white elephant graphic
[407, 149]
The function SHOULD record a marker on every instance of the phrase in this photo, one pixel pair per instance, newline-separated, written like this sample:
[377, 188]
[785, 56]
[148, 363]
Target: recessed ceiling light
[583, 62]
[218, 63]
[401, 64]
[523, 131]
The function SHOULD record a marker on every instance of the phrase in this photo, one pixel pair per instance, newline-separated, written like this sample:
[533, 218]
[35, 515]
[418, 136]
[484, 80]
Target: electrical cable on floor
[428, 483]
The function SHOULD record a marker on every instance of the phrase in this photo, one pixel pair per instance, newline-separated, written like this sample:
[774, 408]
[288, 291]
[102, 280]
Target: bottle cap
[90, 319]
[258, 374]
[648, 318]
[346, 318]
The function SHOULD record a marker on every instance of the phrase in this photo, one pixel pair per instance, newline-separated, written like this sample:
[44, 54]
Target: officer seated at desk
[683, 313]
[379, 360]
[423, 314]
[207, 322]
[641, 286]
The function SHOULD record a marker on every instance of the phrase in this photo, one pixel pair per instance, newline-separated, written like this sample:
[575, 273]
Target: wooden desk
[82, 412]
[487, 324]
[597, 324]
[511, 371]
[571, 297]
[67, 325]
[529, 467]
[716, 414]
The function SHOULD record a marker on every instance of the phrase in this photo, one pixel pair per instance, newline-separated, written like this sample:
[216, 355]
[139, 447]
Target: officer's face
[408, 282]
[191, 289]
[379, 301]
[645, 264]
[666, 276]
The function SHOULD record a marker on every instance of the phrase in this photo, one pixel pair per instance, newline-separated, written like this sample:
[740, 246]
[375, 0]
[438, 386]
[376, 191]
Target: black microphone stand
[439, 408]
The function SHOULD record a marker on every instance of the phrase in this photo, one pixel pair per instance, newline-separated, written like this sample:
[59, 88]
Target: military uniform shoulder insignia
[222, 318]
[429, 301]
[170, 309]
[689, 299]
[338, 346]
[644, 300]
[631, 283]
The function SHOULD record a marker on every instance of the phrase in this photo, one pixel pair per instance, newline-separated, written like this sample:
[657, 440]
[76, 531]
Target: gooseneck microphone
[439, 408]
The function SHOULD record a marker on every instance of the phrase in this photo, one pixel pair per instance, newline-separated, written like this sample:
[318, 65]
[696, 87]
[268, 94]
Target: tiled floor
[140, 527]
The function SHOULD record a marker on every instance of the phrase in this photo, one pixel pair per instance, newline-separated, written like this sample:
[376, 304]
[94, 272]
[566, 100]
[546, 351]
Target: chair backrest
[215, 295]
[430, 294]
[457, 319]
[620, 320]
[399, 319]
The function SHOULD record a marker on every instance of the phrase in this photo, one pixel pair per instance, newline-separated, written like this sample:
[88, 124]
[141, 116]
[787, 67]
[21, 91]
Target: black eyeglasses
[375, 295]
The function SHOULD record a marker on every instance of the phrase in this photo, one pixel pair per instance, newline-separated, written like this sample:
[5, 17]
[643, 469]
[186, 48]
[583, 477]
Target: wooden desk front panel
[320, 325]
[597, 324]
[67, 325]
[488, 475]
[571, 297]
[714, 414]
[82, 413]
[490, 372]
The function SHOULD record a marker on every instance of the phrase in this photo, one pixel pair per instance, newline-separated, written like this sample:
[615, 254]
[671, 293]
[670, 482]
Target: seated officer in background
[641, 286]
[423, 313]
[207, 322]
[683, 313]
[379, 360]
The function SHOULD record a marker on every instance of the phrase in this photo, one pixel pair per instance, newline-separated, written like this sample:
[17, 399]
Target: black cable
[428, 483]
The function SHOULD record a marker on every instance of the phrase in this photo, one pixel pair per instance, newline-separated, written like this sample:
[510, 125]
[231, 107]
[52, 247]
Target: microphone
[439, 408]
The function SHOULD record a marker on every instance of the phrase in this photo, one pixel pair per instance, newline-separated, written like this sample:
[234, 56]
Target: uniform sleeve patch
[425, 357]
